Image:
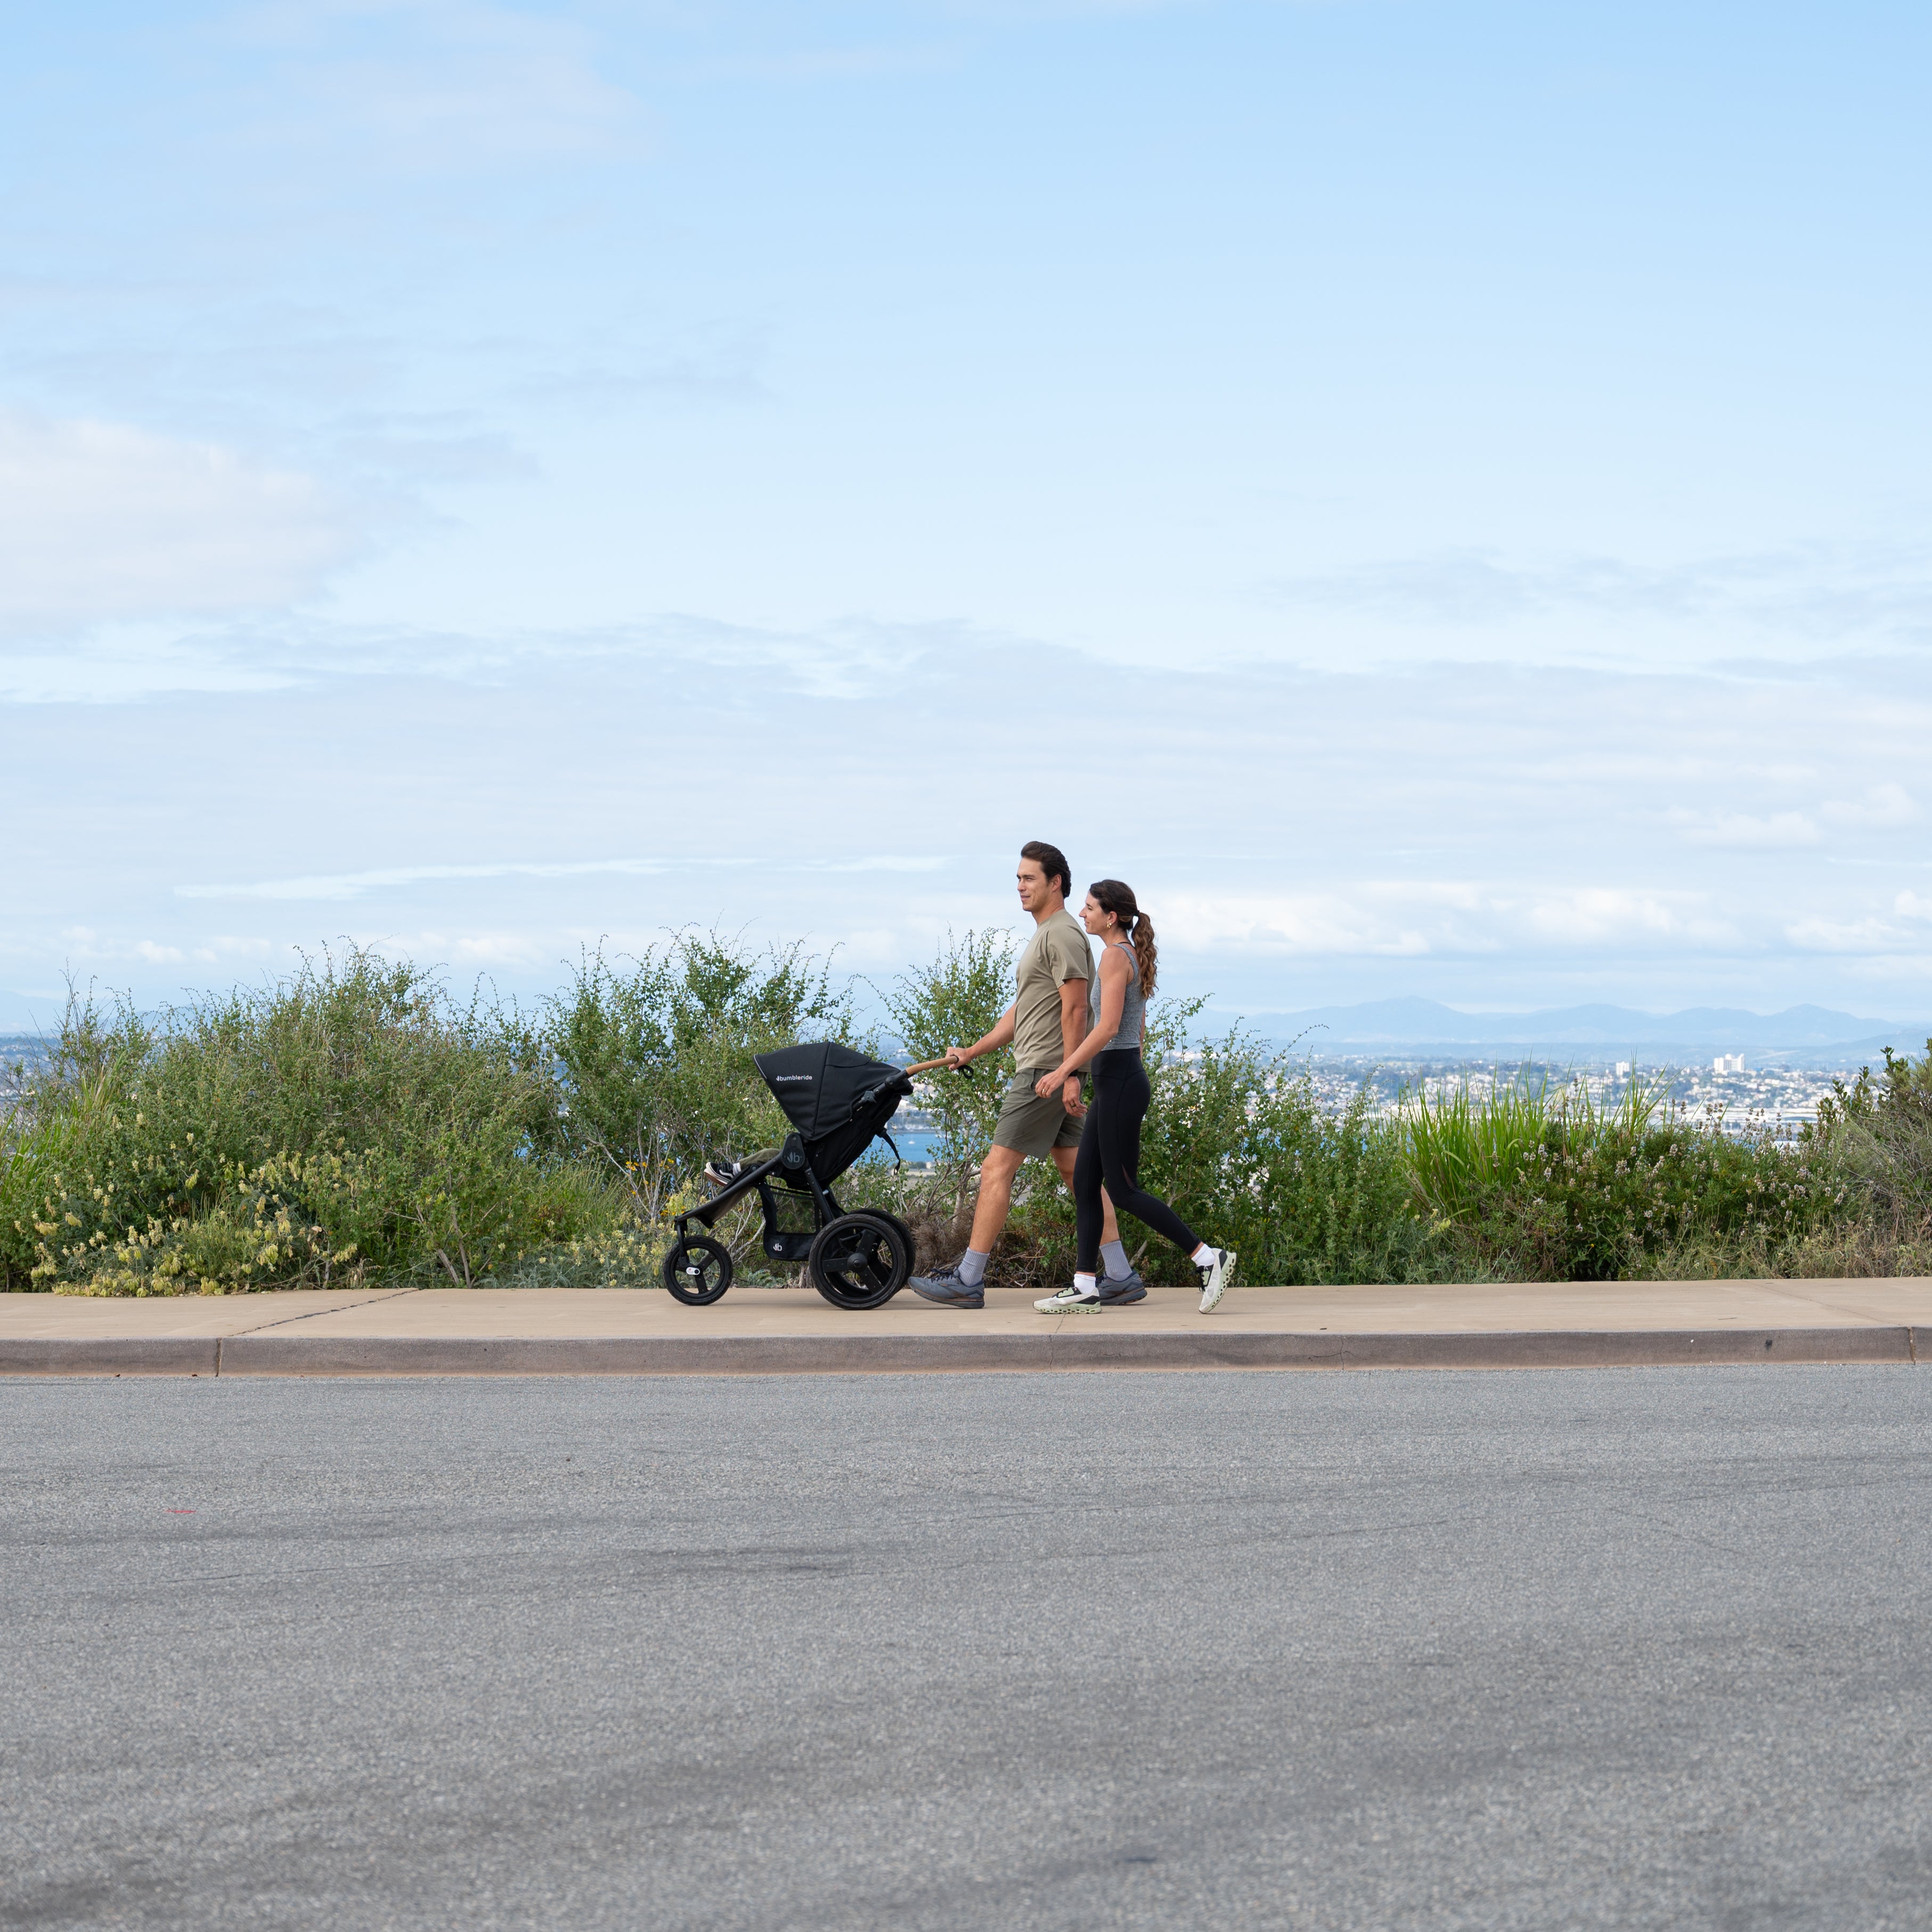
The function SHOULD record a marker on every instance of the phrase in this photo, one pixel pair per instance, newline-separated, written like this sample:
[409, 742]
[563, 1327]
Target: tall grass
[1539, 1183]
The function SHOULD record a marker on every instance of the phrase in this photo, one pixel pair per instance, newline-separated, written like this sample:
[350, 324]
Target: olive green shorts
[1029, 1124]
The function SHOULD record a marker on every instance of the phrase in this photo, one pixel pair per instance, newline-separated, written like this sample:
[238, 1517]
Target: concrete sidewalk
[642, 1331]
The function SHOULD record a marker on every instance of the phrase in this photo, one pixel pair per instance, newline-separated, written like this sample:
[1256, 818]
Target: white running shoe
[1069, 1296]
[1215, 1277]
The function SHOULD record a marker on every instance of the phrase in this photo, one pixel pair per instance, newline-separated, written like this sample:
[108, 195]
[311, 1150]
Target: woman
[1110, 1142]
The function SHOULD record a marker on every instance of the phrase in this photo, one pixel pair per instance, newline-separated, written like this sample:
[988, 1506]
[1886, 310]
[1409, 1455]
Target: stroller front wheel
[859, 1261]
[697, 1271]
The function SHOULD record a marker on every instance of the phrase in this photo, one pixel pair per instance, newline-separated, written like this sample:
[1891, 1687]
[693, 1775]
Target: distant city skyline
[1434, 496]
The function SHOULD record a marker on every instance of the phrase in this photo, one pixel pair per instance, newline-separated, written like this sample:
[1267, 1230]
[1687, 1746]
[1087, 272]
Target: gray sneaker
[944, 1286]
[1128, 1287]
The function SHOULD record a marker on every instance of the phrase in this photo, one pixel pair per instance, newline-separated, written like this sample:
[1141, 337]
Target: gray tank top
[1133, 1011]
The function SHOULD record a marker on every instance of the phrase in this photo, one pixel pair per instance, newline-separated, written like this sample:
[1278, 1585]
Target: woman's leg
[1089, 1214]
[1118, 1144]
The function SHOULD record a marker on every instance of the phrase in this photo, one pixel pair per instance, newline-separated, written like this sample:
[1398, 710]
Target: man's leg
[1063, 1159]
[996, 1194]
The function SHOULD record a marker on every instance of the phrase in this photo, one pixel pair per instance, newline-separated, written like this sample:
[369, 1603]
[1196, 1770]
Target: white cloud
[1296, 837]
[354, 885]
[1910, 904]
[1398, 918]
[437, 85]
[1828, 935]
[1740, 831]
[101, 520]
[1305, 923]
[1601, 915]
[1882, 806]
[1819, 591]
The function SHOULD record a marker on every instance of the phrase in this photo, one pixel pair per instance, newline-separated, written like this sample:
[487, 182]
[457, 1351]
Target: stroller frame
[789, 1167]
[839, 1101]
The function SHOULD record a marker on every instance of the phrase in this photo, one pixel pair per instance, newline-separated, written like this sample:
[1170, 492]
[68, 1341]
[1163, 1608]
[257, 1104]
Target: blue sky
[1434, 495]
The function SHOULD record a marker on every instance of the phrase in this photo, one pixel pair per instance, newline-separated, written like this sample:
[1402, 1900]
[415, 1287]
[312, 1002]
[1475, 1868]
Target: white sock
[1204, 1255]
[1084, 1283]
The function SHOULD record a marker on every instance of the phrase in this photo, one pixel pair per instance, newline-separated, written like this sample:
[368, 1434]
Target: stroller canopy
[838, 1099]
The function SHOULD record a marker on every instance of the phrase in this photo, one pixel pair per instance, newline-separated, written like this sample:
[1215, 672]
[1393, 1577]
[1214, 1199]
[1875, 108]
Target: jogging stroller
[837, 1101]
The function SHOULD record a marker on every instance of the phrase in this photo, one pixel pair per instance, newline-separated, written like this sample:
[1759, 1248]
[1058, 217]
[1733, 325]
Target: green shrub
[352, 1121]
[356, 1123]
[1552, 1187]
[657, 1063]
[1875, 1138]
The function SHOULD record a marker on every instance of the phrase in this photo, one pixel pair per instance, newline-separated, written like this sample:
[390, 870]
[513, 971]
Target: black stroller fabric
[838, 1099]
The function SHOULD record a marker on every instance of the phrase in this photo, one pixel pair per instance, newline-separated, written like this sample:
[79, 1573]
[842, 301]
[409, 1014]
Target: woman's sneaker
[1215, 1277]
[1071, 1296]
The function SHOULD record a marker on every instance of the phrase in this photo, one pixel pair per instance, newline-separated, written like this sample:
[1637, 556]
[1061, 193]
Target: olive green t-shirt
[1056, 953]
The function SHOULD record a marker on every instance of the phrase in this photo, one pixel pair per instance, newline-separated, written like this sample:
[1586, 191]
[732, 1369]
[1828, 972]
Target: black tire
[698, 1271]
[859, 1261]
[905, 1233]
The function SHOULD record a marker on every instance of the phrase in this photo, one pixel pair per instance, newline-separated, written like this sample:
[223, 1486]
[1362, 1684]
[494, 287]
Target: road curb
[109, 1355]
[280, 1355]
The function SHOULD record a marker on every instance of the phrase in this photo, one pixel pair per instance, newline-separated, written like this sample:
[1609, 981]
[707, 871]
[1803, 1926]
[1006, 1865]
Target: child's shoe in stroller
[944, 1286]
[721, 1172]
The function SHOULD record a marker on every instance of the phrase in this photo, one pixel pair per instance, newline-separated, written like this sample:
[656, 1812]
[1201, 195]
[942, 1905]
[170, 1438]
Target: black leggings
[1110, 1151]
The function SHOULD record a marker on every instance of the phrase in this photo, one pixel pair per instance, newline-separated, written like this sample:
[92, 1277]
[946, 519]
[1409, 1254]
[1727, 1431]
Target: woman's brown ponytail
[1110, 896]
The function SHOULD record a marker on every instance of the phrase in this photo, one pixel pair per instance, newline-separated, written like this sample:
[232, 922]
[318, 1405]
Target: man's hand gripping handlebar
[954, 1057]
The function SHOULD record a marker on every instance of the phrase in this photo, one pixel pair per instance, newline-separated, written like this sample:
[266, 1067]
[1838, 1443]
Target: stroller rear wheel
[697, 1271]
[859, 1261]
[892, 1220]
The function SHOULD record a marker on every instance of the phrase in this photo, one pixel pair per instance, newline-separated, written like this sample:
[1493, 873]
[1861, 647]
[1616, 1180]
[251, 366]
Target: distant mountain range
[1416, 1025]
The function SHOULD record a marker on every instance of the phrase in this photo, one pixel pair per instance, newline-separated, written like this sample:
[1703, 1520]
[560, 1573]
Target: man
[1047, 1021]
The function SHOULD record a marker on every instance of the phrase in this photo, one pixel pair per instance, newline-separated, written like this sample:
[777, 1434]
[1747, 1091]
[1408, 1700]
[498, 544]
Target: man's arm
[1073, 1031]
[1001, 1035]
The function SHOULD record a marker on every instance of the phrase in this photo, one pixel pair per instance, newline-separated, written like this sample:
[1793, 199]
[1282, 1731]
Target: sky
[1434, 495]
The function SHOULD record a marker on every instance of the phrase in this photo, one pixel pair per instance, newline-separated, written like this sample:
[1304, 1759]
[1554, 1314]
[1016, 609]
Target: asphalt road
[1625, 1648]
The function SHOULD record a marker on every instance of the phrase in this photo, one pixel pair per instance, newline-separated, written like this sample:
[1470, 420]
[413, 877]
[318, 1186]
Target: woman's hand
[1048, 1085]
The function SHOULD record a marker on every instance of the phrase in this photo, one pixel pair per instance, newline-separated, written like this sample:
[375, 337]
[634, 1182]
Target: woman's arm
[1113, 970]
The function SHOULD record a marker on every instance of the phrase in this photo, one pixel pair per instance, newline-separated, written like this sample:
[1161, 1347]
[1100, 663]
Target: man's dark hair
[1050, 860]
